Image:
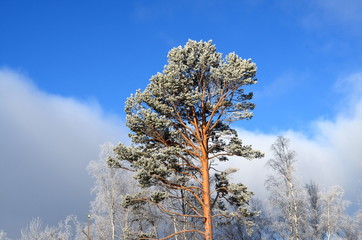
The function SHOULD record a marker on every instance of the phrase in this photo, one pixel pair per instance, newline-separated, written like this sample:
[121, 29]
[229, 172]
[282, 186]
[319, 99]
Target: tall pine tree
[181, 129]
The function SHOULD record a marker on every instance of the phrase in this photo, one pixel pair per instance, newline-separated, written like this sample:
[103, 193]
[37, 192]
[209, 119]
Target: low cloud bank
[46, 142]
[331, 155]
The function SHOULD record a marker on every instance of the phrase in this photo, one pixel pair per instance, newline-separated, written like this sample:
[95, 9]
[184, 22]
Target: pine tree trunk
[206, 187]
[206, 199]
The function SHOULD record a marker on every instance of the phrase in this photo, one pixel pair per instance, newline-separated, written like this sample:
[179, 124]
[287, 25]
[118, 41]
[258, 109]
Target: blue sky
[70, 65]
[104, 51]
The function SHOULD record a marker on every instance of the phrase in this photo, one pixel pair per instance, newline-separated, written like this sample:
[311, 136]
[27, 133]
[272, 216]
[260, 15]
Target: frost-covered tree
[3, 235]
[110, 220]
[261, 228]
[287, 199]
[351, 227]
[181, 128]
[315, 210]
[35, 230]
[334, 207]
[358, 224]
[69, 229]
[107, 215]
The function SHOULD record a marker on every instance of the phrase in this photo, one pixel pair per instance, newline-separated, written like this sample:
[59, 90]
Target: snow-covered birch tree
[110, 220]
[287, 199]
[181, 129]
[37, 230]
[107, 215]
[333, 211]
[350, 227]
[3, 235]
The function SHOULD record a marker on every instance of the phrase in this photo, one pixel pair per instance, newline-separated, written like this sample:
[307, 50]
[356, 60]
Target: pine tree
[181, 129]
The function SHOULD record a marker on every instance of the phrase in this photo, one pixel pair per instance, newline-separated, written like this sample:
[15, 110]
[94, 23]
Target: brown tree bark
[206, 200]
[206, 186]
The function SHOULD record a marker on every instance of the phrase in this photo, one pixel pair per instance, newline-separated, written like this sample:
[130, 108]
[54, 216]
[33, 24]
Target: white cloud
[331, 156]
[46, 142]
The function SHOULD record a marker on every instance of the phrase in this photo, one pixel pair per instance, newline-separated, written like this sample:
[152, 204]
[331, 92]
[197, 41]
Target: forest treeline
[292, 211]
